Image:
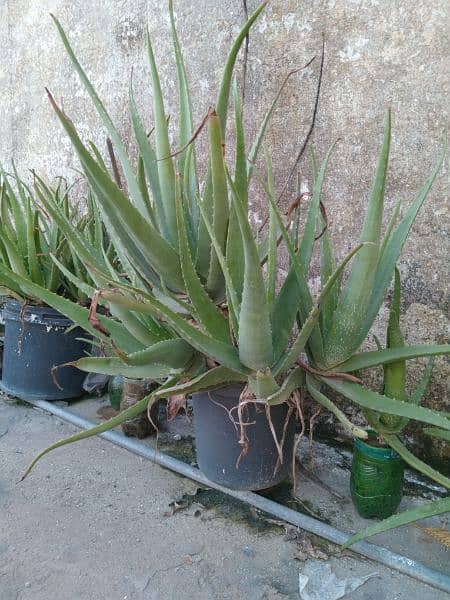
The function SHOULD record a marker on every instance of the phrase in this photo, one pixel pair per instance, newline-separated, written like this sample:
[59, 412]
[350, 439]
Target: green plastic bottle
[376, 482]
[115, 390]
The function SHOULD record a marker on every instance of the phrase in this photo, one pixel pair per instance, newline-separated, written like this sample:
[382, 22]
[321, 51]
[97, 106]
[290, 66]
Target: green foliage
[430, 509]
[190, 300]
[33, 246]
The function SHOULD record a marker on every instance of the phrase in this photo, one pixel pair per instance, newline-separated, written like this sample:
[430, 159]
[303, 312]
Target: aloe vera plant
[389, 427]
[186, 308]
[31, 243]
[197, 309]
[347, 316]
[394, 379]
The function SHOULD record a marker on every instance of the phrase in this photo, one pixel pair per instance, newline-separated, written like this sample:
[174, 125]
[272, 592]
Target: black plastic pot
[217, 441]
[36, 340]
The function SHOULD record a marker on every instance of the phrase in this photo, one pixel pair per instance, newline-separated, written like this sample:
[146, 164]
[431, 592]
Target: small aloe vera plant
[389, 427]
[198, 307]
[29, 239]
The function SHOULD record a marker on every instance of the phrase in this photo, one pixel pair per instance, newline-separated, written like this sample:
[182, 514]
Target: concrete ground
[94, 522]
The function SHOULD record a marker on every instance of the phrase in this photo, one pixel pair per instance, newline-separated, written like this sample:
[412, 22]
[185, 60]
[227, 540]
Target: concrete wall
[380, 54]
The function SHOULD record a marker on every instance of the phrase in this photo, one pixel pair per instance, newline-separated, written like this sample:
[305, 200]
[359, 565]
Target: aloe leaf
[416, 396]
[207, 312]
[305, 302]
[4, 210]
[3, 254]
[437, 433]
[142, 333]
[15, 260]
[327, 266]
[394, 372]
[395, 425]
[234, 253]
[218, 351]
[78, 241]
[365, 360]
[147, 329]
[233, 301]
[224, 93]
[114, 366]
[13, 214]
[98, 156]
[175, 353]
[160, 360]
[214, 378]
[186, 162]
[308, 238]
[142, 182]
[255, 333]
[295, 216]
[240, 165]
[165, 166]
[272, 236]
[350, 314]
[374, 401]
[134, 232]
[84, 287]
[19, 212]
[234, 250]
[148, 155]
[86, 251]
[107, 121]
[220, 213]
[430, 509]
[390, 227]
[283, 314]
[203, 249]
[253, 154]
[395, 443]
[263, 384]
[129, 413]
[190, 186]
[314, 389]
[393, 248]
[293, 381]
[288, 360]
[191, 227]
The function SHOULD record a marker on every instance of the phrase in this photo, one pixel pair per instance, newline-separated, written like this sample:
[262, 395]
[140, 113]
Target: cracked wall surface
[379, 54]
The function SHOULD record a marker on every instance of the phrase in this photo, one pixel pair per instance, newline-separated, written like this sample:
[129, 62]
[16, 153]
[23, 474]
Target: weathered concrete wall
[380, 54]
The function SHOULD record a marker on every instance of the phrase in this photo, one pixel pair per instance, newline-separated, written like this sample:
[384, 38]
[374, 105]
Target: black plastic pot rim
[44, 314]
[16, 393]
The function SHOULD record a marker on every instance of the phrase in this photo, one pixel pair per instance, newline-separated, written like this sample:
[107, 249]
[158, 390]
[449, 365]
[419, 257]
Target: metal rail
[372, 551]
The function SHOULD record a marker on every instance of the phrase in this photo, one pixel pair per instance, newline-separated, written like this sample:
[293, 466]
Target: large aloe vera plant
[195, 300]
[199, 306]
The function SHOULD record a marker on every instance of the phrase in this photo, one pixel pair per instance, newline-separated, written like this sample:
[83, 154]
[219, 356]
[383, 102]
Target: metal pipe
[378, 553]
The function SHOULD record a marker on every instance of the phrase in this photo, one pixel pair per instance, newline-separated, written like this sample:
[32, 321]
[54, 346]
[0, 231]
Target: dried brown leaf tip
[92, 318]
[175, 404]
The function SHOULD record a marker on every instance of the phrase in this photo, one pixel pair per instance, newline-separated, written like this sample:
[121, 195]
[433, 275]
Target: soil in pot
[377, 478]
[36, 340]
[217, 434]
